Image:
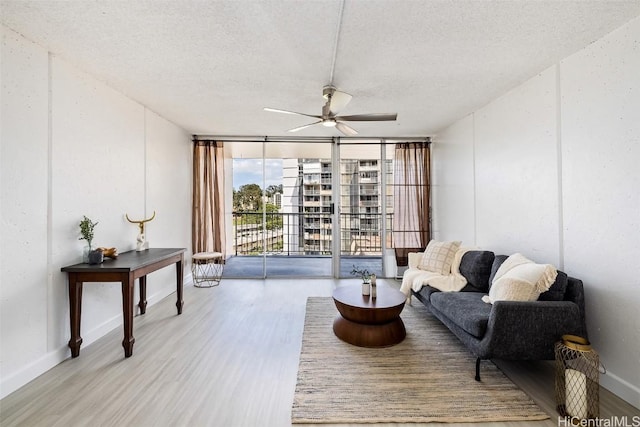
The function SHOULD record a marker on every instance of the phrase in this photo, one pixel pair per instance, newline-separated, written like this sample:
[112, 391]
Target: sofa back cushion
[497, 262]
[557, 289]
[475, 266]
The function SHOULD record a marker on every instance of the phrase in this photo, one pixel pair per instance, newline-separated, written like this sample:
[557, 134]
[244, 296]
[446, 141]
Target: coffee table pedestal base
[366, 335]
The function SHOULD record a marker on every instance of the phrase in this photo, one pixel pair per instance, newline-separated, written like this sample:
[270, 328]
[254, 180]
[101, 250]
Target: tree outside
[248, 198]
[248, 204]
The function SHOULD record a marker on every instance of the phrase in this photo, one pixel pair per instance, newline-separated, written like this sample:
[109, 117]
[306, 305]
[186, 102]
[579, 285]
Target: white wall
[556, 176]
[72, 146]
[453, 183]
[600, 107]
[24, 228]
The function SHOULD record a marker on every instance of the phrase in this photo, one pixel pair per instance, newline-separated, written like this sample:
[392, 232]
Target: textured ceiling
[211, 66]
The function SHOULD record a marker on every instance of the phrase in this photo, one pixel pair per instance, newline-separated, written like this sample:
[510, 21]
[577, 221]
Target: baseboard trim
[621, 388]
[33, 370]
[55, 357]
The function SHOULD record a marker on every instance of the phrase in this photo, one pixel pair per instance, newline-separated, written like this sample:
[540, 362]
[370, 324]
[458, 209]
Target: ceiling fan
[336, 101]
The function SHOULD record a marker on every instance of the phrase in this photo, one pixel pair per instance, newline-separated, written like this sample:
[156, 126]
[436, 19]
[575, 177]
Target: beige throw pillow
[438, 257]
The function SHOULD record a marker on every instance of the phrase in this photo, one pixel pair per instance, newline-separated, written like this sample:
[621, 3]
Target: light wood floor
[230, 359]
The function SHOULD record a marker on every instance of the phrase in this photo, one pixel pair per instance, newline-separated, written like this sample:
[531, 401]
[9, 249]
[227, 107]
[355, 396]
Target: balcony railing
[310, 234]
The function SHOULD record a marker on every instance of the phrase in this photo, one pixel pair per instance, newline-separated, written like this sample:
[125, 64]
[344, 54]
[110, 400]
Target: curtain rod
[254, 138]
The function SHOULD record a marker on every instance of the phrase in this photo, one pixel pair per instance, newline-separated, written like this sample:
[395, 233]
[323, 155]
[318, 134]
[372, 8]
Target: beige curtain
[208, 231]
[411, 208]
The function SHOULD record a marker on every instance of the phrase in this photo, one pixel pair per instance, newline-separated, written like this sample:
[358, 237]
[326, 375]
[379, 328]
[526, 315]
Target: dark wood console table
[128, 267]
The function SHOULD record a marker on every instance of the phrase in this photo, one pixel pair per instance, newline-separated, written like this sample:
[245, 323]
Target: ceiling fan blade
[276, 110]
[338, 101]
[375, 117]
[304, 127]
[347, 130]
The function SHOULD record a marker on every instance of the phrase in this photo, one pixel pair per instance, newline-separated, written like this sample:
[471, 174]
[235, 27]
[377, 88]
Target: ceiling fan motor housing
[327, 92]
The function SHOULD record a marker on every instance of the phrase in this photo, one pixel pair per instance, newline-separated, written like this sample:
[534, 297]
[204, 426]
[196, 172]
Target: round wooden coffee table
[366, 321]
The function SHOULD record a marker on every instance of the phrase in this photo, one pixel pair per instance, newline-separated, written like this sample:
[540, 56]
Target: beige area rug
[429, 377]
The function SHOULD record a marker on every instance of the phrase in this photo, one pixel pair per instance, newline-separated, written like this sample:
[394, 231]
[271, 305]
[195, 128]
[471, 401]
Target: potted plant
[86, 233]
[364, 274]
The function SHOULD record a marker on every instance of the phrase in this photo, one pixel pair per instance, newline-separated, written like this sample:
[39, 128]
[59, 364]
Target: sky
[249, 171]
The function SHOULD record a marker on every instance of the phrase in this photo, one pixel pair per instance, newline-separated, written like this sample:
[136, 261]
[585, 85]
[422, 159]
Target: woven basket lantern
[577, 378]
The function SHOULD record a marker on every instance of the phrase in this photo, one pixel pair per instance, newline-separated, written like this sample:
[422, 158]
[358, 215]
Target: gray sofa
[511, 330]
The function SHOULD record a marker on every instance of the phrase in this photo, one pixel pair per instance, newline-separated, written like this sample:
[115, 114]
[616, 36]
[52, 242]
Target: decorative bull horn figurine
[142, 244]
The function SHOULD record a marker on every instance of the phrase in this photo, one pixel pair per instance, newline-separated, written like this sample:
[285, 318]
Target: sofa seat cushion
[465, 309]
[426, 292]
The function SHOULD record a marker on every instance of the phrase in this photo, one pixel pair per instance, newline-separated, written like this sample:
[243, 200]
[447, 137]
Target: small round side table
[206, 268]
[366, 321]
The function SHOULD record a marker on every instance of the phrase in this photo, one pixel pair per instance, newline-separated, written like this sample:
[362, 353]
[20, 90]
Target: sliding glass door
[310, 209]
[282, 210]
[304, 215]
[364, 172]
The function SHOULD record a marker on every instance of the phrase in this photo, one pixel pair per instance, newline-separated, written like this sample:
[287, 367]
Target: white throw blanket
[414, 278]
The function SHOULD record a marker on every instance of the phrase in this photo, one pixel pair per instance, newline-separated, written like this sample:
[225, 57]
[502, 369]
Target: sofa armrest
[529, 330]
[414, 259]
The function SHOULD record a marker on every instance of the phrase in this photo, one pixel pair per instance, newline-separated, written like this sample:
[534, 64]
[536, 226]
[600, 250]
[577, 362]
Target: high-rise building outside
[307, 192]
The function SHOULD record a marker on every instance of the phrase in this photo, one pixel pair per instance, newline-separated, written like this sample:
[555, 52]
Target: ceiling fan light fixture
[330, 123]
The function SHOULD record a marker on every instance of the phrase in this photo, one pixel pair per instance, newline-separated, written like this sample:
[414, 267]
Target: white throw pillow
[520, 279]
[511, 289]
[438, 257]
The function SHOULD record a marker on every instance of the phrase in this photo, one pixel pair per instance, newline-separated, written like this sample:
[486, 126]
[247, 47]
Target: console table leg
[75, 309]
[143, 294]
[179, 276]
[127, 310]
